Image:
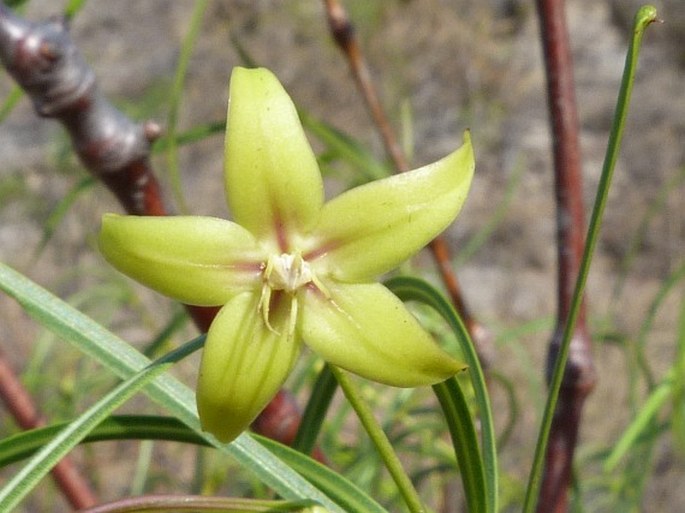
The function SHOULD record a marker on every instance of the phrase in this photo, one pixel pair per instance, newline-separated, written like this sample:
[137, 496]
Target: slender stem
[580, 376]
[380, 440]
[643, 18]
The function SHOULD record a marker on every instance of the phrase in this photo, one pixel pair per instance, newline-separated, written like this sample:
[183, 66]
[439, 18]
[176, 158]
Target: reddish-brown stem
[17, 399]
[343, 33]
[43, 59]
[579, 377]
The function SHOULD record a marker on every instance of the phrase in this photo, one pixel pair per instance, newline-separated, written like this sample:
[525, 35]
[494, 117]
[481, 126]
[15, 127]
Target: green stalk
[645, 16]
[44, 460]
[175, 102]
[408, 289]
[315, 411]
[380, 440]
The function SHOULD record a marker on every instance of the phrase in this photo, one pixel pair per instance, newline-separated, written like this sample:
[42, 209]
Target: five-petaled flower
[292, 269]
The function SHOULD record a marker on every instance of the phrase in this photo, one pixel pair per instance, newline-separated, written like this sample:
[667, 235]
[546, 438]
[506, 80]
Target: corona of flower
[290, 269]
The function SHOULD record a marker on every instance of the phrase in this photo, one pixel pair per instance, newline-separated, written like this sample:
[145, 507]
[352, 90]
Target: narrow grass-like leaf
[192, 135]
[49, 455]
[463, 434]
[200, 503]
[645, 16]
[15, 94]
[178, 320]
[656, 207]
[408, 289]
[345, 147]
[73, 7]
[175, 101]
[656, 400]
[122, 359]
[116, 427]
[312, 419]
[149, 427]
[678, 395]
[669, 284]
[61, 210]
[342, 491]
[490, 225]
[514, 409]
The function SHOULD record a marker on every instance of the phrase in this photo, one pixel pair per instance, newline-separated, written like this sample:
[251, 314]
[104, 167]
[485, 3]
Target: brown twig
[45, 62]
[343, 33]
[580, 376]
[17, 399]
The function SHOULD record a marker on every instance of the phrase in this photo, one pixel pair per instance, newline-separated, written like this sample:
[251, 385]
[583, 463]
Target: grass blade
[643, 18]
[407, 288]
[116, 427]
[346, 494]
[124, 360]
[315, 411]
[465, 442]
[49, 455]
[149, 427]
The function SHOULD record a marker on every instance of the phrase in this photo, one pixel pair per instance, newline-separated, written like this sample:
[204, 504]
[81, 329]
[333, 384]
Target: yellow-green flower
[291, 269]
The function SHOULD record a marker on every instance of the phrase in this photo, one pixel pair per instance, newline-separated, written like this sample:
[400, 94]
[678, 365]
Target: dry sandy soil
[451, 65]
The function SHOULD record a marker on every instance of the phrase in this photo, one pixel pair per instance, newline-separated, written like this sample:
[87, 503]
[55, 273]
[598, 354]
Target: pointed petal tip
[202, 261]
[367, 330]
[373, 228]
[272, 179]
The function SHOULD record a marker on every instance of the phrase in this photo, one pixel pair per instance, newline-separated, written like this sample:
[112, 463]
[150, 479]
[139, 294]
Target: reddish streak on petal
[281, 235]
[320, 251]
[248, 267]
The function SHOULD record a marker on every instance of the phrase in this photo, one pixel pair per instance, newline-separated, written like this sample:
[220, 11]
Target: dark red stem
[580, 376]
[44, 61]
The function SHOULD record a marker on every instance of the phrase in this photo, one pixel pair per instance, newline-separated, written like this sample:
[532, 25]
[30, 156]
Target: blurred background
[441, 67]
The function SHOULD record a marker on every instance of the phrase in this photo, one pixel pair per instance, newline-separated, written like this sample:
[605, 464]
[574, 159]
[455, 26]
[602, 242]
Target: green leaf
[644, 16]
[342, 146]
[315, 412]
[61, 210]
[115, 427]
[463, 434]
[408, 289]
[342, 491]
[122, 359]
[177, 90]
[126, 427]
[49, 455]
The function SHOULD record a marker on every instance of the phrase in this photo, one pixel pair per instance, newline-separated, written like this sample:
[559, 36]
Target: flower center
[287, 272]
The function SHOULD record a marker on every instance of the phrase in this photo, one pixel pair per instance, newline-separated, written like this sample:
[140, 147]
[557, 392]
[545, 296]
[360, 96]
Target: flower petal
[243, 365]
[367, 330]
[273, 182]
[371, 229]
[198, 260]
